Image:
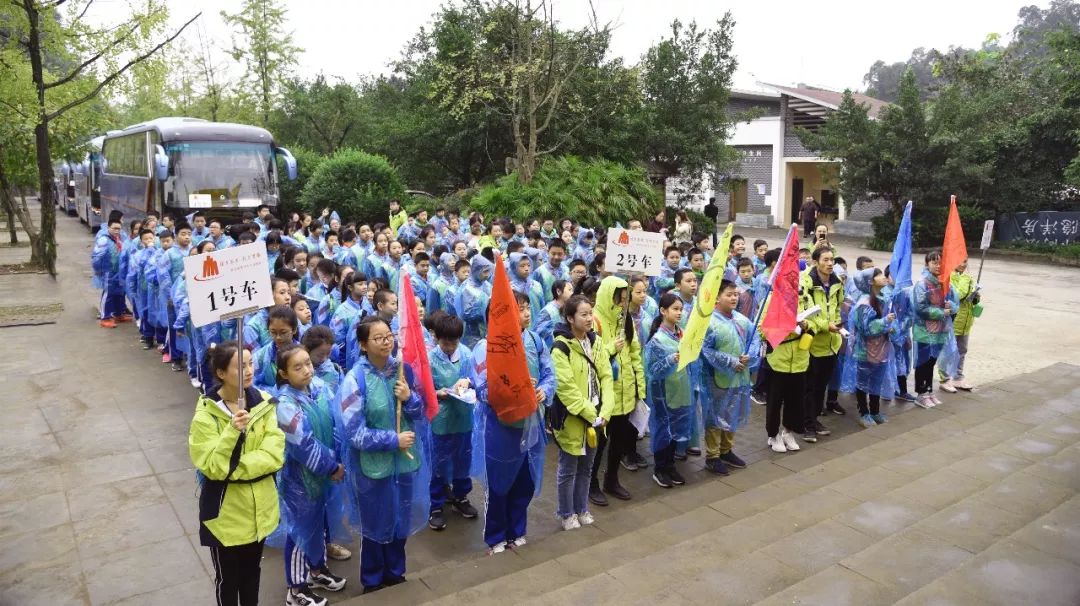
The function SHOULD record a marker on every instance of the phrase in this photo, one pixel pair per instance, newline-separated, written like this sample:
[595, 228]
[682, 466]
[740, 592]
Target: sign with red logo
[634, 252]
[227, 280]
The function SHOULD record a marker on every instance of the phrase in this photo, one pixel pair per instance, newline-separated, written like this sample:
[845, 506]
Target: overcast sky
[829, 44]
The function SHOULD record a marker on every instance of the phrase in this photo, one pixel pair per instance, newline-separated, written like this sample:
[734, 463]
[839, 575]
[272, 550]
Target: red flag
[510, 389]
[413, 349]
[954, 250]
[780, 319]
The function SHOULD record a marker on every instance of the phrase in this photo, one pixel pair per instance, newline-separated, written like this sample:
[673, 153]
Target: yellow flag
[694, 334]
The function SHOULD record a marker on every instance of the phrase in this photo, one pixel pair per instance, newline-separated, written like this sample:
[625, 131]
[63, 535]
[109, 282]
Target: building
[776, 171]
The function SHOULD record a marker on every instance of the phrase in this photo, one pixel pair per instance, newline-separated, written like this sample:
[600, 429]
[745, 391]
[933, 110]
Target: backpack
[557, 412]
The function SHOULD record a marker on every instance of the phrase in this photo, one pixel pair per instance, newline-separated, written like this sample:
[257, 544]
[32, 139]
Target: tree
[686, 81]
[321, 116]
[86, 60]
[265, 48]
[883, 80]
[356, 183]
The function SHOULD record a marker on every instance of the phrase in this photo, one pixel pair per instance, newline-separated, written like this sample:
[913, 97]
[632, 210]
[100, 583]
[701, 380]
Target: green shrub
[289, 192]
[702, 224]
[1066, 251]
[356, 184]
[928, 226]
[592, 192]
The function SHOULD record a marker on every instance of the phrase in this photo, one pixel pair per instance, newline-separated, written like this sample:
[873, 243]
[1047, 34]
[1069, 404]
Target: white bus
[180, 165]
[88, 186]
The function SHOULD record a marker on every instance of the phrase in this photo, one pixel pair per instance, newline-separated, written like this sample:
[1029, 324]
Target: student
[303, 315]
[933, 308]
[551, 315]
[131, 245]
[282, 326]
[760, 248]
[346, 317]
[325, 273]
[584, 397]
[345, 255]
[827, 292]
[759, 394]
[462, 270]
[578, 272]
[313, 439]
[746, 285]
[869, 370]
[105, 260]
[330, 244]
[900, 335]
[686, 285]
[236, 450]
[388, 473]
[553, 269]
[736, 250]
[155, 270]
[273, 242]
[472, 300]
[218, 236]
[670, 392]
[967, 293]
[786, 390]
[586, 240]
[454, 372]
[392, 264]
[642, 308]
[520, 270]
[256, 328]
[329, 304]
[696, 262]
[666, 280]
[441, 283]
[386, 307]
[419, 276]
[623, 344]
[318, 342]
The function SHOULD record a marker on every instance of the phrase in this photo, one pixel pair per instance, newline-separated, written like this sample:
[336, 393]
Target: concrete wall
[768, 108]
[756, 167]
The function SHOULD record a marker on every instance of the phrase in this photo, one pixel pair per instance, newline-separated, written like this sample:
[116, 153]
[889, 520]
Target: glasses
[282, 334]
[383, 339]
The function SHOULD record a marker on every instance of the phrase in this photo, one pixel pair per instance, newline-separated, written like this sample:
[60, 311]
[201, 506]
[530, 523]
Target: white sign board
[988, 234]
[227, 280]
[634, 251]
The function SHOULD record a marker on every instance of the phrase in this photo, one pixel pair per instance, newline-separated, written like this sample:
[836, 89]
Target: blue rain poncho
[526, 286]
[544, 324]
[265, 362]
[314, 446]
[436, 297]
[870, 364]
[900, 304]
[156, 314]
[346, 350]
[586, 239]
[105, 261]
[546, 275]
[670, 392]
[375, 265]
[472, 301]
[453, 424]
[256, 330]
[500, 449]
[932, 327]
[388, 491]
[747, 297]
[727, 393]
[186, 341]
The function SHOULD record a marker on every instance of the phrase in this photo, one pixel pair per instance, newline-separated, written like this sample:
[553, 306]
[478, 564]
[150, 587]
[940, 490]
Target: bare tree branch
[16, 109]
[82, 13]
[59, 112]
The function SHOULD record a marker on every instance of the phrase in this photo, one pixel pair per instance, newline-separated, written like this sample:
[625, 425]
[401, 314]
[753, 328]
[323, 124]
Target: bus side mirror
[290, 163]
[161, 164]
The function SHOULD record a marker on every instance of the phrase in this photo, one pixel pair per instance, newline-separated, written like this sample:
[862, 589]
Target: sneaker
[948, 386]
[147, 344]
[497, 548]
[757, 397]
[924, 401]
[585, 518]
[178, 366]
[570, 522]
[616, 490]
[810, 437]
[337, 552]
[661, 478]
[166, 358]
[324, 579]
[676, 477]
[693, 451]
[820, 429]
[732, 460]
[107, 323]
[680, 457]
[935, 399]
[639, 460]
[835, 408]
[465, 508]
[906, 396]
[390, 581]
[197, 384]
[436, 521]
[628, 464]
[777, 444]
[124, 318]
[963, 384]
[304, 596]
[716, 466]
[789, 440]
[520, 541]
[161, 347]
[372, 589]
[597, 496]
[879, 419]
[867, 421]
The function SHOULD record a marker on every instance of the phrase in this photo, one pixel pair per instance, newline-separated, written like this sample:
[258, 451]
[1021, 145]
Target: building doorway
[737, 198]
[796, 198]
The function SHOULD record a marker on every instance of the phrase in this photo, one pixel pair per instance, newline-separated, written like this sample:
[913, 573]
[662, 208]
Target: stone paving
[974, 502]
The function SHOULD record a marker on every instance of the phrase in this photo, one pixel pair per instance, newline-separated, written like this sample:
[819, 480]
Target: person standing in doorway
[712, 211]
[808, 214]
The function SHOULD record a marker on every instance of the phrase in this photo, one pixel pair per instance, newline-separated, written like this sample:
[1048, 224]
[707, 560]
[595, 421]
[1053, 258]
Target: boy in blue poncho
[441, 283]
[283, 328]
[512, 454]
[138, 287]
[346, 351]
[520, 281]
[155, 270]
[553, 270]
[106, 264]
[454, 372]
[472, 300]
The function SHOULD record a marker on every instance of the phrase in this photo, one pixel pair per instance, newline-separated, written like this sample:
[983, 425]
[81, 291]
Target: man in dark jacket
[712, 211]
[808, 213]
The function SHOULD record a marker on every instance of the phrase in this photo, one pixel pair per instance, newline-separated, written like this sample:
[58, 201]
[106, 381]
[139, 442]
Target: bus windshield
[231, 173]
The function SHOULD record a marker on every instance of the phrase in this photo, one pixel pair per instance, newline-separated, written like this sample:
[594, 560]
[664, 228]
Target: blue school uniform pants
[381, 563]
[507, 514]
[455, 448]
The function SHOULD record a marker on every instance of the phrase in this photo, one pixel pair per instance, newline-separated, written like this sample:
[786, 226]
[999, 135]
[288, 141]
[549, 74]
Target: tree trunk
[43, 248]
[13, 233]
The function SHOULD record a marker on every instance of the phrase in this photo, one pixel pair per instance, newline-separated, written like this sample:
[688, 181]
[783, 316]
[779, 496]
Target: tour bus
[64, 186]
[88, 186]
[181, 165]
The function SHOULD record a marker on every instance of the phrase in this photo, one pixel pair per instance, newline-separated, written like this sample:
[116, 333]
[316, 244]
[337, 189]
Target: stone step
[759, 506]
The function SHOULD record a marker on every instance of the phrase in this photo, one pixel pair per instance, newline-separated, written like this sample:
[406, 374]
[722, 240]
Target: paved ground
[972, 503]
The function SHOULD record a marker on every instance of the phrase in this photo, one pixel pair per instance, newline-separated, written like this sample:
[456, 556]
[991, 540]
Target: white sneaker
[789, 440]
[196, 383]
[948, 386]
[585, 518]
[497, 548]
[519, 542]
[570, 522]
[934, 400]
[777, 444]
[923, 401]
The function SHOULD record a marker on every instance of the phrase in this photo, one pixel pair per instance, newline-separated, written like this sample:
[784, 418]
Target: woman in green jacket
[584, 401]
[237, 447]
[623, 344]
[827, 292]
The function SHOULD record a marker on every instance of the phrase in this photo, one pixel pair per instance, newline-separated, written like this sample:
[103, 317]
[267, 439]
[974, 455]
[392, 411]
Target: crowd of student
[309, 446]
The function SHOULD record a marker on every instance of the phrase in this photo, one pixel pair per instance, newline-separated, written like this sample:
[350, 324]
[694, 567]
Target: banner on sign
[227, 280]
[634, 251]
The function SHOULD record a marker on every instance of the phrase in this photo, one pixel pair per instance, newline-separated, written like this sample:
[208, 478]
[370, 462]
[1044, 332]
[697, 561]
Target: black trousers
[787, 393]
[924, 376]
[761, 383]
[901, 382]
[817, 382]
[875, 403]
[620, 440]
[664, 459]
[236, 574]
[808, 227]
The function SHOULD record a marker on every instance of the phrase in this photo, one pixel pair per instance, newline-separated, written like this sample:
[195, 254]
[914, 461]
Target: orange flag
[954, 250]
[510, 389]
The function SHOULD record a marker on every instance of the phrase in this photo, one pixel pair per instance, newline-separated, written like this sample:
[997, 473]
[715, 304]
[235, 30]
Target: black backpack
[557, 412]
